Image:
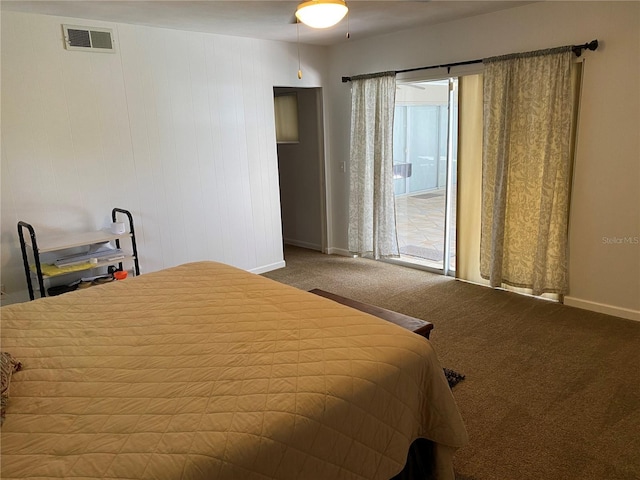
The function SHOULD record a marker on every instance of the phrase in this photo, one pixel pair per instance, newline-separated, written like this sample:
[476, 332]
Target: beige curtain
[469, 186]
[372, 216]
[527, 165]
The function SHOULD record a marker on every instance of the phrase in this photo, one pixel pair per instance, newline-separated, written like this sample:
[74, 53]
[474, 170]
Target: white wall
[606, 197]
[176, 126]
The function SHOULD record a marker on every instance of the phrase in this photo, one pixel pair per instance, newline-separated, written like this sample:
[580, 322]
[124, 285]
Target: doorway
[301, 169]
[425, 140]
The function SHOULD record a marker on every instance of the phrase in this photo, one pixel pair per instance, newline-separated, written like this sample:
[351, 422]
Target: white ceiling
[271, 20]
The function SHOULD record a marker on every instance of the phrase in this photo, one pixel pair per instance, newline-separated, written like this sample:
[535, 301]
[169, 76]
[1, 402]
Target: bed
[205, 371]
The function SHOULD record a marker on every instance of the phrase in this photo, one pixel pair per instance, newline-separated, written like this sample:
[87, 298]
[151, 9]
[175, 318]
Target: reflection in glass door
[425, 160]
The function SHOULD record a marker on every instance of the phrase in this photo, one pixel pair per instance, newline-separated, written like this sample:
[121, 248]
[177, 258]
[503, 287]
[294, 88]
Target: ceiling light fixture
[321, 13]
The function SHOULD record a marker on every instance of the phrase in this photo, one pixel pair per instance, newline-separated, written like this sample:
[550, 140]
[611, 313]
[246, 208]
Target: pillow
[8, 365]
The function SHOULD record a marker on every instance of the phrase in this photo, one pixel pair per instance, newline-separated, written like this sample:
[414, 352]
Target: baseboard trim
[603, 308]
[298, 243]
[268, 268]
[339, 251]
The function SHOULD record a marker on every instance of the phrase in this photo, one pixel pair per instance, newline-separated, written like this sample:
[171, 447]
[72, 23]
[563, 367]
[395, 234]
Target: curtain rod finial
[592, 45]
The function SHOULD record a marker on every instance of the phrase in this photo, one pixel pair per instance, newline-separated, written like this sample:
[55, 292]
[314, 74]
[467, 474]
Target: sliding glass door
[425, 157]
[426, 153]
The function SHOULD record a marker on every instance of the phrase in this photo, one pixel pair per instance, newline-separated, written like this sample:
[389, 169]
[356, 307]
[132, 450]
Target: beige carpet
[551, 392]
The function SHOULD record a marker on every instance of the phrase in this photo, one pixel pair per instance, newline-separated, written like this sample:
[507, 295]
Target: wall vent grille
[88, 39]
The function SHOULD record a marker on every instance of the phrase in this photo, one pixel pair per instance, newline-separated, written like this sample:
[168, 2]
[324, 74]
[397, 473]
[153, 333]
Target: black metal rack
[98, 238]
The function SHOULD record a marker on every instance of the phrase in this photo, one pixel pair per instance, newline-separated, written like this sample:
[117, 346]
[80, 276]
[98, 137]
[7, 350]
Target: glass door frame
[453, 94]
[446, 260]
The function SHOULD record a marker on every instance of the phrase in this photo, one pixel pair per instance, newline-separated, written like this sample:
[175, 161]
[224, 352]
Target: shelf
[34, 266]
[61, 242]
[78, 268]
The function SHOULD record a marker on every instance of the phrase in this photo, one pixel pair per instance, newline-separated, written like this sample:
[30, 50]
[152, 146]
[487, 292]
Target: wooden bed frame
[421, 327]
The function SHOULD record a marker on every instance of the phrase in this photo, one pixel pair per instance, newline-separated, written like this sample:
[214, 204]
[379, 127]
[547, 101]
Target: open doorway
[301, 167]
[425, 164]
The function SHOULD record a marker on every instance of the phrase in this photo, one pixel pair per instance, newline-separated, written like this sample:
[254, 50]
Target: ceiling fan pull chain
[298, 44]
[348, 27]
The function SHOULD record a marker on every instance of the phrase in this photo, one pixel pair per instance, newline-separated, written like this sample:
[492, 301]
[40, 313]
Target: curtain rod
[577, 49]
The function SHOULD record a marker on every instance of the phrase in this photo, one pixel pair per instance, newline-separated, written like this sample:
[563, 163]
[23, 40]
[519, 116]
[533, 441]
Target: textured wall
[177, 127]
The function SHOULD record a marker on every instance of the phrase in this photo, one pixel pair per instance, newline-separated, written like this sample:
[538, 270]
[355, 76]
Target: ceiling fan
[320, 13]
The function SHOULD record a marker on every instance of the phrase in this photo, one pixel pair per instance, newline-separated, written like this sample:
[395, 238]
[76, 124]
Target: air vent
[88, 39]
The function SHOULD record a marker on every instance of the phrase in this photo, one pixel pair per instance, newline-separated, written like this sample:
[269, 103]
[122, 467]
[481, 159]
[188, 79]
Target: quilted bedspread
[205, 371]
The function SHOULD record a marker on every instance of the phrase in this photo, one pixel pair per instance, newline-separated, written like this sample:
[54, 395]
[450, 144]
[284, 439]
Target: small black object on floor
[453, 377]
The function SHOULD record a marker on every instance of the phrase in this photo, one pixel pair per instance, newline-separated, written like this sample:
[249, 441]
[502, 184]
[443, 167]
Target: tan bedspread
[205, 371]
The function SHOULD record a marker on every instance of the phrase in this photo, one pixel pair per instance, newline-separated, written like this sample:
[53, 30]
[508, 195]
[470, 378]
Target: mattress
[207, 371]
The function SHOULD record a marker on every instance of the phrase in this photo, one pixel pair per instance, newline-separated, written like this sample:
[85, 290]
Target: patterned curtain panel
[527, 165]
[372, 215]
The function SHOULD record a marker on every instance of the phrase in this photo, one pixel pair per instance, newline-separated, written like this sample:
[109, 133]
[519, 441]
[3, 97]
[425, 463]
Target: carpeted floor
[551, 392]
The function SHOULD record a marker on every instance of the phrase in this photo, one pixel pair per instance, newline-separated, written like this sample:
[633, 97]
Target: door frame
[320, 140]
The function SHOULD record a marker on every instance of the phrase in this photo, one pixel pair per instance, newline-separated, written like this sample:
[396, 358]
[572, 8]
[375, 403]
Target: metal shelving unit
[46, 244]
